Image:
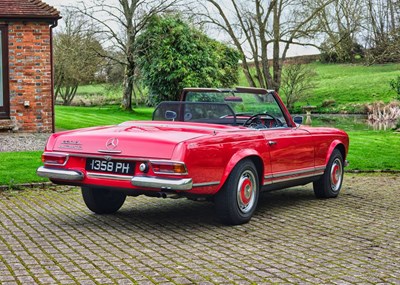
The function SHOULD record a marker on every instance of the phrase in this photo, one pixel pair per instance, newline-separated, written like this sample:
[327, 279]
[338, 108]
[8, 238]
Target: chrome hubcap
[246, 191]
[336, 174]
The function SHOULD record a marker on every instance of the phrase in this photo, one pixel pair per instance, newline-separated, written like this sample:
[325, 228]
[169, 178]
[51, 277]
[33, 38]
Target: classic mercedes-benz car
[224, 145]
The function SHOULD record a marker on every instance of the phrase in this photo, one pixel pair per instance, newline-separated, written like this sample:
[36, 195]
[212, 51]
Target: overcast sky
[59, 4]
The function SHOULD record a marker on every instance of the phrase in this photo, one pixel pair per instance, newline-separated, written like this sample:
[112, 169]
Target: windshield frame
[243, 91]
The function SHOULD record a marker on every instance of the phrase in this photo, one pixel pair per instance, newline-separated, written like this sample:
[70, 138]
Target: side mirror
[170, 115]
[298, 119]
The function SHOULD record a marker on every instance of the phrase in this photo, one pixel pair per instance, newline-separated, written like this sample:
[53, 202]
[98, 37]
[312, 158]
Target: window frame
[5, 109]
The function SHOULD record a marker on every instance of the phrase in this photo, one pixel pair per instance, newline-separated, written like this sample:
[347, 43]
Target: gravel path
[22, 141]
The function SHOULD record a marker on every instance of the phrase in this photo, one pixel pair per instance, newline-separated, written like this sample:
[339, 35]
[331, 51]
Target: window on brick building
[4, 96]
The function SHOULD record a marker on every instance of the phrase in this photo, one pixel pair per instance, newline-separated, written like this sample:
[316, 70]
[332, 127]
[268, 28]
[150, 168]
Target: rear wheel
[329, 185]
[237, 200]
[103, 201]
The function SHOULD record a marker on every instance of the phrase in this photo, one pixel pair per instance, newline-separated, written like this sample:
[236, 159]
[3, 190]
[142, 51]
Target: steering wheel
[256, 119]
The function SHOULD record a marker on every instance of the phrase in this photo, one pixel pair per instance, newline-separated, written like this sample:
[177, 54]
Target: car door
[291, 153]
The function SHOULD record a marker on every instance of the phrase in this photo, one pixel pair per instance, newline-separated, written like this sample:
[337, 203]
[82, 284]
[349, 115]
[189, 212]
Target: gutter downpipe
[53, 128]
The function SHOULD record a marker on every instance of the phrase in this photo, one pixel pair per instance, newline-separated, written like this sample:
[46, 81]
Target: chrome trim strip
[62, 174]
[205, 184]
[298, 177]
[103, 157]
[290, 173]
[108, 176]
[162, 183]
[289, 176]
[109, 151]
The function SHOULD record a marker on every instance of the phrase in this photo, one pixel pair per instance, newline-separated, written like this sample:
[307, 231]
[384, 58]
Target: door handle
[272, 143]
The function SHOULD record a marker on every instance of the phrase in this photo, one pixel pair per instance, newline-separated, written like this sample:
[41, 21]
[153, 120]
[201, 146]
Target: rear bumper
[183, 184]
[163, 183]
[54, 173]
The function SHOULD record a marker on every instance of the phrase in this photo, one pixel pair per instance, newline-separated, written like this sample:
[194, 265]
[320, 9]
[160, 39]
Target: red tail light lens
[177, 168]
[54, 158]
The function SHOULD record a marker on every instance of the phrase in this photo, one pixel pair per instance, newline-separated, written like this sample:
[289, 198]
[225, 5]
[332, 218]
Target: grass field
[349, 85]
[68, 118]
[19, 167]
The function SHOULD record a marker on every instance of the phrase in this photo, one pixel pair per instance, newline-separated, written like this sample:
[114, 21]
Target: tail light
[166, 167]
[59, 159]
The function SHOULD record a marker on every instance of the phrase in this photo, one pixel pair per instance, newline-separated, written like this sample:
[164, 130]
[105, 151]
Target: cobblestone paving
[49, 237]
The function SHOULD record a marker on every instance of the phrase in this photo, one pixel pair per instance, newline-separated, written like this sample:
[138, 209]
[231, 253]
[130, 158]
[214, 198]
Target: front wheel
[329, 185]
[237, 200]
[103, 201]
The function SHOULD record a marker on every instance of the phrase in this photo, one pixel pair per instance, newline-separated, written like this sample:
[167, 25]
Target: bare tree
[264, 29]
[341, 23]
[120, 22]
[383, 30]
[297, 83]
[76, 59]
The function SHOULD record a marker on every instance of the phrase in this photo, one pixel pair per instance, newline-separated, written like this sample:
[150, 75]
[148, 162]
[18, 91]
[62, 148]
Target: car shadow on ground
[170, 213]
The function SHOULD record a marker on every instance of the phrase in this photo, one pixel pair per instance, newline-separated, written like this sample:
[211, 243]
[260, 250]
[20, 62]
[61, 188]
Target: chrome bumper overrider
[54, 173]
[162, 183]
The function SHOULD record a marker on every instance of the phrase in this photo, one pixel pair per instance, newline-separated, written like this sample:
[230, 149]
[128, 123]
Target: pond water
[348, 122]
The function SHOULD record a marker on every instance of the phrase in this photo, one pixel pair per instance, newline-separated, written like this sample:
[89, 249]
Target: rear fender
[336, 144]
[242, 154]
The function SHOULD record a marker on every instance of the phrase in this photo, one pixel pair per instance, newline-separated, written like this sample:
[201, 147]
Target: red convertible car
[225, 145]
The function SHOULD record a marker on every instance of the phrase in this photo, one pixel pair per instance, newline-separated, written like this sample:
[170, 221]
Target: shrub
[395, 85]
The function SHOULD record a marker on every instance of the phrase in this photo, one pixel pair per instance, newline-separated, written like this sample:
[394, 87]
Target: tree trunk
[127, 88]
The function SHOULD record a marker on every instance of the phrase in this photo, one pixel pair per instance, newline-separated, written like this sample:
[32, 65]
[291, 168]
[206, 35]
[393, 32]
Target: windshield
[257, 109]
[251, 110]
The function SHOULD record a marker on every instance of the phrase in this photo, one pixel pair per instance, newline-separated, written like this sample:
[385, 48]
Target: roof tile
[19, 9]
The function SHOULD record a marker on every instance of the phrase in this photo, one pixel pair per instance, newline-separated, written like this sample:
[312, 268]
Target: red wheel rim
[336, 174]
[246, 191]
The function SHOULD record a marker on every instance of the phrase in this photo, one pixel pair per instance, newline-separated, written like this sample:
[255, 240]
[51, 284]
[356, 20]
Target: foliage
[385, 48]
[128, 18]
[346, 51]
[174, 55]
[297, 83]
[395, 85]
[75, 56]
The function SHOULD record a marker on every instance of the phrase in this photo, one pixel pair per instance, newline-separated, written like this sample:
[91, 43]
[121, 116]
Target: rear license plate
[112, 166]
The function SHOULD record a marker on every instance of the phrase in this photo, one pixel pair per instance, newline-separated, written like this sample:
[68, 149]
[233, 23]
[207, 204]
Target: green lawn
[68, 118]
[349, 85]
[20, 167]
[374, 150]
[354, 84]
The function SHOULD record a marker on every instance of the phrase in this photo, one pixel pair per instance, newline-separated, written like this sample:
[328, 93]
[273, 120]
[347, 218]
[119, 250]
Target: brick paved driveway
[49, 237]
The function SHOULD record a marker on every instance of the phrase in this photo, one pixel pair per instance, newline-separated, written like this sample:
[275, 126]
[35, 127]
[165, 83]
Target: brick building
[26, 65]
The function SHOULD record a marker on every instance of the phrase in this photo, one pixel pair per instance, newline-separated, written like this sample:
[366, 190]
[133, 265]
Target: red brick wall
[30, 76]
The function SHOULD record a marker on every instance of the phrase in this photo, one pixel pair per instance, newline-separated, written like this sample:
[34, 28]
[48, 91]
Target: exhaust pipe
[163, 195]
